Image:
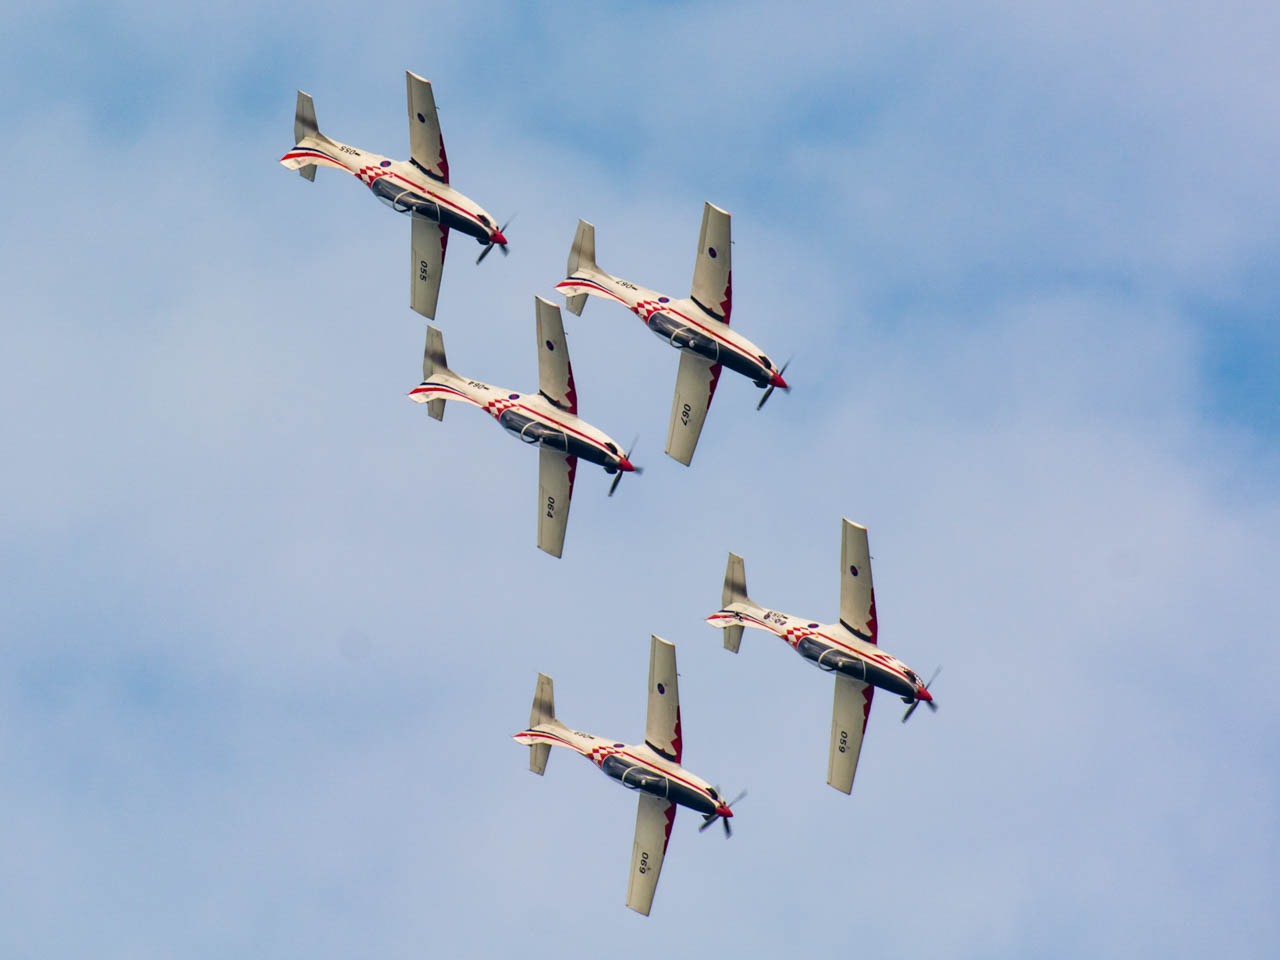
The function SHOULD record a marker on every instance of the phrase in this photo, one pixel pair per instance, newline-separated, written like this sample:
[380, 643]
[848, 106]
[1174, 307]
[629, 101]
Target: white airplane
[846, 648]
[652, 768]
[697, 326]
[418, 187]
[547, 418]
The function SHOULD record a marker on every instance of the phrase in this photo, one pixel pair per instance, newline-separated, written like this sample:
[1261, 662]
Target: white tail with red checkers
[418, 187]
[548, 420]
[698, 325]
[847, 648]
[647, 768]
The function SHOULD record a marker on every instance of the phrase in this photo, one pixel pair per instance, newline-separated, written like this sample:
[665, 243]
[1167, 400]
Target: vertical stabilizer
[304, 125]
[582, 258]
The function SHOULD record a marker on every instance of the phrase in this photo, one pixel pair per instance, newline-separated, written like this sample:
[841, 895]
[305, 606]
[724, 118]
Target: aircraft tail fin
[543, 711]
[310, 145]
[735, 591]
[433, 365]
[582, 260]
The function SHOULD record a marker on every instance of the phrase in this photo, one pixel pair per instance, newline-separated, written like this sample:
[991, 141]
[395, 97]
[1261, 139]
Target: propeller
[768, 393]
[932, 706]
[489, 246]
[711, 818]
[618, 476]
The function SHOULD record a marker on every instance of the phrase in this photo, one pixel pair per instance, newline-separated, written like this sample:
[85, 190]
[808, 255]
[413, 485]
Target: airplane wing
[429, 242]
[695, 386]
[555, 374]
[426, 146]
[857, 596]
[555, 487]
[662, 722]
[653, 829]
[848, 723]
[712, 273]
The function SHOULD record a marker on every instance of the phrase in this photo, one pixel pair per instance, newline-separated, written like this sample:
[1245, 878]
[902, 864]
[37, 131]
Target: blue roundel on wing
[550, 345]
[385, 163]
[711, 252]
[813, 626]
[664, 299]
[421, 118]
[619, 745]
[853, 570]
[661, 688]
[514, 396]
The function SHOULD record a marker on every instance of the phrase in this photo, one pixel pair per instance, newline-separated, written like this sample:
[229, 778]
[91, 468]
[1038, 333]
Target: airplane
[698, 326]
[547, 418]
[418, 187]
[652, 768]
[847, 648]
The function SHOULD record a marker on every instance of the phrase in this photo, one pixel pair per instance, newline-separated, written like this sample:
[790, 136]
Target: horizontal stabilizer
[582, 258]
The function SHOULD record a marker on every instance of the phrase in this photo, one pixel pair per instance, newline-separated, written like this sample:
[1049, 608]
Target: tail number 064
[551, 508]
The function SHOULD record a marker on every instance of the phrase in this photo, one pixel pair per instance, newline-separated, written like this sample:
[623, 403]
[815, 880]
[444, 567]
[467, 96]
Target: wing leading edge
[662, 719]
[695, 387]
[654, 818]
[848, 724]
[857, 595]
[428, 246]
[555, 488]
[426, 145]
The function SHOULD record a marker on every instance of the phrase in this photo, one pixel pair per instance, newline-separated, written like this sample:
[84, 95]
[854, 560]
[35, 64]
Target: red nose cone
[777, 381]
[724, 811]
[625, 465]
[923, 694]
[498, 238]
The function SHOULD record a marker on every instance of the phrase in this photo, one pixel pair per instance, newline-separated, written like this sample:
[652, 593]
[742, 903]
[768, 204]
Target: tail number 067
[685, 412]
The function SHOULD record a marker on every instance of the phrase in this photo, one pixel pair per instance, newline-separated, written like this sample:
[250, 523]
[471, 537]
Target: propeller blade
[707, 821]
[734, 801]
[502, 230]
[618, 477]
[728, 831]
[484, 253]
[910, 710]
[769, 393]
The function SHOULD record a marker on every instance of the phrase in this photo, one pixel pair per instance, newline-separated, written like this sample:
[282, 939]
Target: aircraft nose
[498, 238]
[723, 811]
[776, 379]
[924, 694]
[625, 465]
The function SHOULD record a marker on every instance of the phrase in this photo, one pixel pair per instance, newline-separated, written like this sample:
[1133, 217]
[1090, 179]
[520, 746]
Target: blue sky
[269, 628]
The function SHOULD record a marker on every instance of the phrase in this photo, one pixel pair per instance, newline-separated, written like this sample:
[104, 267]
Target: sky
[268, 628]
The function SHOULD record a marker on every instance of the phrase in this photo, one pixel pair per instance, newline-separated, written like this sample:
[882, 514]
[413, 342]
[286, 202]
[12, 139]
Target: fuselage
[406, 188]
[531, 417]
[635, 767]
[684, 324]
[832, 648]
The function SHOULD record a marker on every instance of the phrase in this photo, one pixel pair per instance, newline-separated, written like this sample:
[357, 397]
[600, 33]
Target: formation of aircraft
[651, 768]
[548, 418]
[418, 187]
[847, 648]
[698, 325]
